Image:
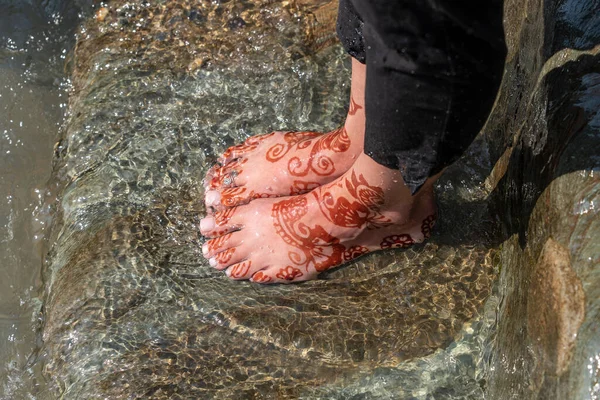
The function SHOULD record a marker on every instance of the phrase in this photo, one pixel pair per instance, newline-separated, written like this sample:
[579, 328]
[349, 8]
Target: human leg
[434, 69]
[294, 238]
[386, 198]
[294, 162]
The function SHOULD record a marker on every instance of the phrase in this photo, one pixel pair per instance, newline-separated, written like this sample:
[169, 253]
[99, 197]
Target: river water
[34, 47]
[34, 43]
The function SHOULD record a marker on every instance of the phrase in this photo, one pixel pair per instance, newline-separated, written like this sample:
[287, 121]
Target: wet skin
[285, 206]
[289, 163]
[293, 239]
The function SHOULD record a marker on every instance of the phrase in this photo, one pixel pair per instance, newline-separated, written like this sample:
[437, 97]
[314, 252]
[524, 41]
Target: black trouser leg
[433, 70]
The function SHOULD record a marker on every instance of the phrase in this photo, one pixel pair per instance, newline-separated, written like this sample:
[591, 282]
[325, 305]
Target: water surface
[33, 46]
[133, 310]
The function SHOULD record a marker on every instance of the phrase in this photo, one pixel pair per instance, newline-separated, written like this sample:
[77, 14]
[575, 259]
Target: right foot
[288, 163]
[368, 208]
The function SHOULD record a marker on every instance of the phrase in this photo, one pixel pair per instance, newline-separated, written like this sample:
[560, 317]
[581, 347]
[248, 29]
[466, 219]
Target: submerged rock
[555, 307]
[545, 133]
[132, 310]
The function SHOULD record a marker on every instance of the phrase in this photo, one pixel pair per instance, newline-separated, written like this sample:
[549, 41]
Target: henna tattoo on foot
[397, 241]
[240, 270]
[354, 107]
[260, 277]
[224, 256]
[289, 273]
[360, 208]
[427, 226]
[249, 145]
[313, 247]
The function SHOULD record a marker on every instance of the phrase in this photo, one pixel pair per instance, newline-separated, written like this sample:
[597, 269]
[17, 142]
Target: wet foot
[293, 239]
[288, 163]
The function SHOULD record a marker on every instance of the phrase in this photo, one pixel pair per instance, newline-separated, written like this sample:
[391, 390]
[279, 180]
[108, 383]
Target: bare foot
[293, 239]
[288, 163]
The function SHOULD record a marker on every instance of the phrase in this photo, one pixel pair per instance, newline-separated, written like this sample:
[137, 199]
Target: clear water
[33, 45]
[124, 243]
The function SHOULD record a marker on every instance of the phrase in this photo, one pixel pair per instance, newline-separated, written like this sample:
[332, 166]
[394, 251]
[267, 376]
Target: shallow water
[133, 310]
[33, 46]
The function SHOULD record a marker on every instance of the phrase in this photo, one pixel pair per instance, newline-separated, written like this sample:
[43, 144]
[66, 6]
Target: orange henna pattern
[289, 273]
[218, 233]
[215, 244]
[222, 217]
[316, 248]
[300, 187]
[354, 107]
[320, 164]
[249, 145]
[260, 277]
[240, 270]
[427, 226]
[235, 196]
[233, 166]
[361, 208]
[221, 174]
[354, 251]
[397, 241]
[224, 256]
[279, 150]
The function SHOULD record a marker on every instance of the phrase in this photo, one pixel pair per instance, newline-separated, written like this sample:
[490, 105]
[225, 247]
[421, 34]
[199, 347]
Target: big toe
[222, 223]
[212, 199]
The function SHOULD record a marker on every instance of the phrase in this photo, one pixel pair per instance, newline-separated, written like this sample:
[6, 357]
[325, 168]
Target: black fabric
[433, 70]
[350, 30]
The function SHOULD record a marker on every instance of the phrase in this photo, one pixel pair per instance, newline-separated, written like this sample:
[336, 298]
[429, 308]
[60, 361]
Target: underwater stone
[545, 136]
[131, 310]
[236, 23]
[196, 16]
[555, 306]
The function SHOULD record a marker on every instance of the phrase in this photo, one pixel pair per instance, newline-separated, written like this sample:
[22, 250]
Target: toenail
[213, 262]
[212, 198]
[207, 224]
[204, 249]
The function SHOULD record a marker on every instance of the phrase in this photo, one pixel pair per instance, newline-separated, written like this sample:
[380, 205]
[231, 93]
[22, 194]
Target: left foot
[294, 239]
[281, 164]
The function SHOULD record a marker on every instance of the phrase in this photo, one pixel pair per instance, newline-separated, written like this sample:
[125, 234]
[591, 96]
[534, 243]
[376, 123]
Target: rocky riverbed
[160, 88]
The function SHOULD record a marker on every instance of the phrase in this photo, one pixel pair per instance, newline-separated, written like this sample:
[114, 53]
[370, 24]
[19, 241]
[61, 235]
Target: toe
[221, 243]
[260, 277]
[210, 176]
[286, 274]
[236, 166]
[231, 154]
[236, 196]
[207, 225]
[212, 198]
[221, 223]
[227, 176]
[242, 271]
[242, 149]
[227, 198]
[231, 256]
